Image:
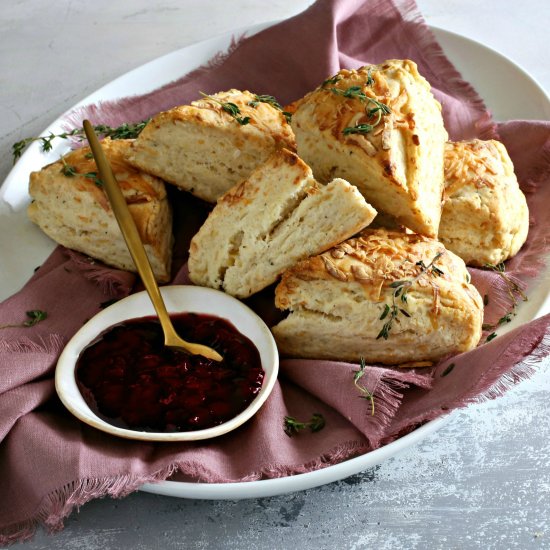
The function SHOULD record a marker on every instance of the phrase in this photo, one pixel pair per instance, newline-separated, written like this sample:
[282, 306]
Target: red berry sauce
[131, 380]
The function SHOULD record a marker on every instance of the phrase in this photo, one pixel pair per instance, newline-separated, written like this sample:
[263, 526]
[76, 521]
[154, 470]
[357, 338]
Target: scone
[485, 218]
[265, 224]
[207, 147]
[70, 206]
[381, 129]
[390, 297]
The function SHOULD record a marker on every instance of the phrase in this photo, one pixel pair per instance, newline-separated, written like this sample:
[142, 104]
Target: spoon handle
[130, 233]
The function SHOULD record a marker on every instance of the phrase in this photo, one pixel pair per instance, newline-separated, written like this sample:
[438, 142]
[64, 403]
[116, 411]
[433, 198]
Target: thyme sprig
[365, 393]
[67, 169]
[291, 426]
[376, 112]
[34, 317]
[399, 296]
[230, 108]
[270, 100]
[331, 80]
[70, 171]
[353, 92]
[124, 131]
[515, 293]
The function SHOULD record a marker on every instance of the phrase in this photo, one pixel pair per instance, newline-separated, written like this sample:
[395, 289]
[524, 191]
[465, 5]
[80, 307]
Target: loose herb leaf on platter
[448, 370]
[365, 393]
[124, 131]
[514, 292]
[291, 426]
[34, 316]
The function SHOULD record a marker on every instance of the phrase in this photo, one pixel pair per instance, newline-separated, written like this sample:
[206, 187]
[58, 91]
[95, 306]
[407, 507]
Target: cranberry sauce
[131, 380]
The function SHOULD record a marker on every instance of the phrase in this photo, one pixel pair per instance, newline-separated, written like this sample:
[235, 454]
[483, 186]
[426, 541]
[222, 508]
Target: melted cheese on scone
[341, 301]
[485, 217]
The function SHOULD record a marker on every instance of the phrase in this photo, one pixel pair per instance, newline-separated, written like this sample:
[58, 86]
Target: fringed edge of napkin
[59, 504]
[494, 379]
[429, 46]
[50, 344]
[110, 280]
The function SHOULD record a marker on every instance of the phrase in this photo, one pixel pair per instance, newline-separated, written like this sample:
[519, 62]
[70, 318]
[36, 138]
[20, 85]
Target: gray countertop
[481, 481]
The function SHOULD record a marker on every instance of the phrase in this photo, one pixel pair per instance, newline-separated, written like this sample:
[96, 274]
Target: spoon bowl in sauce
[164, 396]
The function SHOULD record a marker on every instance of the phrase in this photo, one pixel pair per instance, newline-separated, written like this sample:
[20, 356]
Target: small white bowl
[178, 299]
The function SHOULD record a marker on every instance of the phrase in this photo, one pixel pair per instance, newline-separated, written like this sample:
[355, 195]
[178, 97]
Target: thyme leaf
[365, 393]
[515, 293]
[124, 131]
[353, 92]
[67, 169]
[400, 290]
[34, 317]
[270, 100]
[331, 80]
[448, 370]
[230, 108]
[359, 129]
[376, 112]
[370, 80]
[291, 426]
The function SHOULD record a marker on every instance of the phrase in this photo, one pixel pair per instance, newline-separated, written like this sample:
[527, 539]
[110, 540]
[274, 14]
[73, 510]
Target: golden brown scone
[70, 206]
[342, 302]
[265, 224]
[485, 218]
[203, 149]
[395, 159]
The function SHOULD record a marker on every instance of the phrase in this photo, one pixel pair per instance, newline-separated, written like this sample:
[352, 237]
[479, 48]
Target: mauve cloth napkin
[50, 462]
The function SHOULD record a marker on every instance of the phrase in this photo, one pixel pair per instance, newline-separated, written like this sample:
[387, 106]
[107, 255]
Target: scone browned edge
[203, 149]
[70, 206]
[485, 217]
[341, 302]
[381, 129]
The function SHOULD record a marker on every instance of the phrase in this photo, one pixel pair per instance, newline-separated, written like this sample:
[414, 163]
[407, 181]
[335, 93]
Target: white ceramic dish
[482, 66]
[189, 299]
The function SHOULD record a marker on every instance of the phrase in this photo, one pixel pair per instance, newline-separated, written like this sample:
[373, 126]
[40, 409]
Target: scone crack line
[288, 208]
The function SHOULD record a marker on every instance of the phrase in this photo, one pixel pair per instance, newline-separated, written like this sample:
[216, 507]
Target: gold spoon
[135, 246]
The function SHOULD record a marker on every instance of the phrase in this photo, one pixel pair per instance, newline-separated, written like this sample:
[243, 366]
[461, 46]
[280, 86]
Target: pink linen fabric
[50, 462]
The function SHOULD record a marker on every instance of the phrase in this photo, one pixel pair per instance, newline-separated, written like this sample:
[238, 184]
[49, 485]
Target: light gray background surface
[482, 481]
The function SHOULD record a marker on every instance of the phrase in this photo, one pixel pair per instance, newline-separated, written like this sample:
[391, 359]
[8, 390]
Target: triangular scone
[485, 218]
[70, 206]
[381, 129]
[204, 149]
[265, 224]
[389, 297]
